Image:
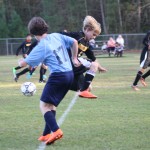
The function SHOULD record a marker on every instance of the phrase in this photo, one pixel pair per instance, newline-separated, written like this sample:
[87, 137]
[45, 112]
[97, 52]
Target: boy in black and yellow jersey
[25, 49]
[91, 29]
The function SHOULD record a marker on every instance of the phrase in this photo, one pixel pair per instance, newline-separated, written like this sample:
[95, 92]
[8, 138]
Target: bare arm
[74, 51]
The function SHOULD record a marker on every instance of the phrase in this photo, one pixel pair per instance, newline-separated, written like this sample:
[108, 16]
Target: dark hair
[37, 26]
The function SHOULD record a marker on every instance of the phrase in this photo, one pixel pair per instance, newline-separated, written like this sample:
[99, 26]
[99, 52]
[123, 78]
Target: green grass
[118, 120]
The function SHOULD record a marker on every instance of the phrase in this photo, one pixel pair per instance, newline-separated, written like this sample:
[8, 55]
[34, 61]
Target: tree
[120, 17]
[15, 25]
[3, 24]
[103, 17]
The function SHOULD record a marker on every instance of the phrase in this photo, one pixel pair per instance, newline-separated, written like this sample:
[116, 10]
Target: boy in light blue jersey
[52, 51]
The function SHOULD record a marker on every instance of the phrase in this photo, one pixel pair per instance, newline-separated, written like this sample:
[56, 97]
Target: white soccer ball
[28, 88]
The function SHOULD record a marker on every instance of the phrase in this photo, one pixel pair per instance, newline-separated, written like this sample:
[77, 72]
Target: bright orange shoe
[143, 82]
[44, 138]
[134, 87]
[54, 136]
[86, 94]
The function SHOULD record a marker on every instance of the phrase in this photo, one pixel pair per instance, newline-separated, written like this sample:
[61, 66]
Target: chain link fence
[8, 46]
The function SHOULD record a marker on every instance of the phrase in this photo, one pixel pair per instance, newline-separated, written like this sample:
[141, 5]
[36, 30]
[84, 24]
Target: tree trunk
[120, 17]
[103, 17]
[139, 16]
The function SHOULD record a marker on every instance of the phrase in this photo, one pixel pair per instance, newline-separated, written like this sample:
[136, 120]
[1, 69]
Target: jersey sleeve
[89, 53]
[36, 56]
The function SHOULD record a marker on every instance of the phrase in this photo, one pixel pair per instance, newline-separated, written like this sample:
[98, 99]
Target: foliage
[120, 16]
[3, 24]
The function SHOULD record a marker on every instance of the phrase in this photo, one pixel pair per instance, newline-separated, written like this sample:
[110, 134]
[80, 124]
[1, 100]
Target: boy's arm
[90, 55]
[19, 48]
[74, 51]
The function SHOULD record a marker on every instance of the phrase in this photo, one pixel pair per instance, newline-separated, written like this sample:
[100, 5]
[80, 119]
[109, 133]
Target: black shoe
[16, 78]
[42, 81]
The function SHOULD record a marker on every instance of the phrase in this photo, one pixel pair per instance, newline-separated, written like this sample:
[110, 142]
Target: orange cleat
[143, 82]
[86, 94]
[44, 138]
[54, 136]
[134, 87]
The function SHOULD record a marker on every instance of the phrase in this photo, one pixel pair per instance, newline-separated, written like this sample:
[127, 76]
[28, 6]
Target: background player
[25, 48]
[144, 62]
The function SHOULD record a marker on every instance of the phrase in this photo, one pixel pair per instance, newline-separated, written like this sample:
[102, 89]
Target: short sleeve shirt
[52, 51]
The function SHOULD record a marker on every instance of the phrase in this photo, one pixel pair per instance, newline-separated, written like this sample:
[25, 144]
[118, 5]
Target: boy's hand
[76, 63]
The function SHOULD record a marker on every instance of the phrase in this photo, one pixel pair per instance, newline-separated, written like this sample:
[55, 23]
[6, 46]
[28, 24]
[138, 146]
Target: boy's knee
[94, 66]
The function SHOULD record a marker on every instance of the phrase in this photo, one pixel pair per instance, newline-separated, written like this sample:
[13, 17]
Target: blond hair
[92, 24]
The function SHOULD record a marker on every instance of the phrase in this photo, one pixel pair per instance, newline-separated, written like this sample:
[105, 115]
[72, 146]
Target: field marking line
[42, 145]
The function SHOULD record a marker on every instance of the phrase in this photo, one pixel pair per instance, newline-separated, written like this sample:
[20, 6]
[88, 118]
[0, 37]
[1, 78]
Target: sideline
[42, 145]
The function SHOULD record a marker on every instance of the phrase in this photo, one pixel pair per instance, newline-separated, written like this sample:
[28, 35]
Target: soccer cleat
[134, 87]
[54, 136]
[44, 138]
[44, 76]
[86, 94]
[143, 82]
[42, 81]
[16, 78]
[14, 72]
[28, 76]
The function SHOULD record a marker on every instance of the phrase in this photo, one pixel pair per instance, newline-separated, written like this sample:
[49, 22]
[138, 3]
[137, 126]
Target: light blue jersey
[52, 51]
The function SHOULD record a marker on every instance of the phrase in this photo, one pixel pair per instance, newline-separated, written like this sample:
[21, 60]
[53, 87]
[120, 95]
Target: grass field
[118, 120]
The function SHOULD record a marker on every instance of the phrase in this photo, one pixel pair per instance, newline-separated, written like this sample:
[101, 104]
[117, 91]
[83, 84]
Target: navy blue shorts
[57, 87]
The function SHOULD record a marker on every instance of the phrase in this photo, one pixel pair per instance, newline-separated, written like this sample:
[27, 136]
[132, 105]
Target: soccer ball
[28, 88]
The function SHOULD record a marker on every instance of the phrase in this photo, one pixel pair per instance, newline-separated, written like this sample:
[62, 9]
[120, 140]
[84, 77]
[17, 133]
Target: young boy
[25, 48]
[52, 51]
[144, 63]
[91, 29]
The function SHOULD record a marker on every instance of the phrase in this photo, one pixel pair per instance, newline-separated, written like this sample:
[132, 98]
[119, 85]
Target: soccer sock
[51, 121]
[32, 70]
[22, 72]
[18, 67]
[146, 74]
[44, 71]
[47, 129]
[88, 79]
[41, 74]
[137, 78]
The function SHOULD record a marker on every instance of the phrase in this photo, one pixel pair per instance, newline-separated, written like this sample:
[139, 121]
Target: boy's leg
[137, 78]
[89, 76]
[41, 74]
[47, 130]
[143, 78]
[50, 120]
[21, 73]
[84, 92]
[146, 74]
[44, 72]
[18, 67]
[14, 70]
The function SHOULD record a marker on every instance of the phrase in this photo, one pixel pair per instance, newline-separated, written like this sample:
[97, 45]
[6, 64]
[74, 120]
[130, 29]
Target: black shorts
[79, 70]
[57, 87]
[77, 83]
